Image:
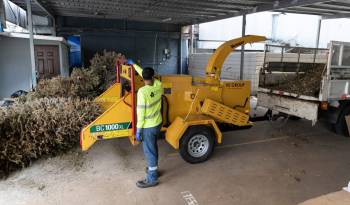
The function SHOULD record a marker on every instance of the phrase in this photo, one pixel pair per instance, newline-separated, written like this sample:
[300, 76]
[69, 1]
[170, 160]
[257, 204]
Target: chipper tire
[197, 144]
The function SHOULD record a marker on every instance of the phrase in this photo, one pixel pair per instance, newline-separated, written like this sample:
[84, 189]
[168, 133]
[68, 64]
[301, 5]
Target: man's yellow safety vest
[149, 103]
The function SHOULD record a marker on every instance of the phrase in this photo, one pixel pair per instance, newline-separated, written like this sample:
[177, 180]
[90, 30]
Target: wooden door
[46, 61]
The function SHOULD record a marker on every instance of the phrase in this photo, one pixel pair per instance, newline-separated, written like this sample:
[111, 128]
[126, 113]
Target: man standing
[149, 122]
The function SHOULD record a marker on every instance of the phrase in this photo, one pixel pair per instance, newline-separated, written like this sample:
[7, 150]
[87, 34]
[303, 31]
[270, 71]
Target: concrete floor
[267, 164]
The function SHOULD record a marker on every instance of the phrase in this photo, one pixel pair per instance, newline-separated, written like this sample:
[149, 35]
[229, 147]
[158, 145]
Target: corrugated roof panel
[184, 11]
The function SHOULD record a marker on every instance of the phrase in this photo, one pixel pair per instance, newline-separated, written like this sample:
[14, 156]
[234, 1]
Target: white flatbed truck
[333, 98]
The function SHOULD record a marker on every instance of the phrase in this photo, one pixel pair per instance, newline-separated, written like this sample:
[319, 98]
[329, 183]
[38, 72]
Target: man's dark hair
[147, 73]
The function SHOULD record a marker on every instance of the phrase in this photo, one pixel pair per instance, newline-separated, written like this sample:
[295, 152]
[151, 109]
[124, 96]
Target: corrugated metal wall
[146, 48]
[231, 67]
[137, 40]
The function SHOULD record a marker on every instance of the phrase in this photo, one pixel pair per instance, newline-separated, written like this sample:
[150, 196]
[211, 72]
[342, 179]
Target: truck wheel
[197, 144]
[340, 127]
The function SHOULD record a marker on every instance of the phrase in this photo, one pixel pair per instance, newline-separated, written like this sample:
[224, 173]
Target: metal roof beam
[142, 7]
[106, 10]
[331, 6]
[276, 5]
[214, 3]
[149, 19]
[321, 9]
[337, 16]
[335, 3]
[287, 4]
[217, 4]
[186, 12]
[303, 12]
[128, 13]
[124, 16]
[43, 8]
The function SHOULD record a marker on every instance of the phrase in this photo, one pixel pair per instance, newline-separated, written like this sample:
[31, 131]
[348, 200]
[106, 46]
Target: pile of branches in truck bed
[306, 83]
[48, 120]
[45, 126]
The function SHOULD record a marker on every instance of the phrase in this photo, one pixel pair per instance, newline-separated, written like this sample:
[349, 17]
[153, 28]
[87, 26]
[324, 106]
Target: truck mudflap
[291, 106]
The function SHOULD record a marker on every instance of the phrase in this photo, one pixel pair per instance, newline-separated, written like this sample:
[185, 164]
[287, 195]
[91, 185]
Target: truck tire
[340, 126]
[197, 144]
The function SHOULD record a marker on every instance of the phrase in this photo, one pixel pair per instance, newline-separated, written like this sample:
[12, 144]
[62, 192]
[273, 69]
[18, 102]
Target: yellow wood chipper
[192, 107]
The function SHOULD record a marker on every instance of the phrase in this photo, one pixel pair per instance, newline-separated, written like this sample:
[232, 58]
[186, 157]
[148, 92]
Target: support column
[53, 26]
[318, 32]
[31, 44]
[242, 48]
[191, 39]
[317, 37]
[2, 14]
[180, 52]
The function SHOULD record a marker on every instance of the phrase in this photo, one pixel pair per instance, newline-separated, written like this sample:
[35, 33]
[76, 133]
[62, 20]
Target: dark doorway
[47, 61]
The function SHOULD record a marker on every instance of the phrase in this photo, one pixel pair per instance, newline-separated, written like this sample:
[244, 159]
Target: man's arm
[138, 69]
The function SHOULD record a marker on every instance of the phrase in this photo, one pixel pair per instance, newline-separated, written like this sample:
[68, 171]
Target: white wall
[15, 72]
[334, 30]
[223, 30]
[296, 29]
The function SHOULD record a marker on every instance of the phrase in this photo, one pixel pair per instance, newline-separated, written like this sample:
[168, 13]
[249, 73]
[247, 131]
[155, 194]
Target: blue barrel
[74, 52]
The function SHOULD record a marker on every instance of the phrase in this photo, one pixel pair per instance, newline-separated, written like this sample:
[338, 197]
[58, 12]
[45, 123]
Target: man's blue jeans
[150, 149]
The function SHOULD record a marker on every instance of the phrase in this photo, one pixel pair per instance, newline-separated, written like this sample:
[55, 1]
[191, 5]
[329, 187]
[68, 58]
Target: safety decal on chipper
[106, 131]
[113, 123]
[110, 127]
[238, 84]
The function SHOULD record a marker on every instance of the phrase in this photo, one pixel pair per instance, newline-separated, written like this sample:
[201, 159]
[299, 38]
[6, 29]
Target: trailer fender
[178, 128]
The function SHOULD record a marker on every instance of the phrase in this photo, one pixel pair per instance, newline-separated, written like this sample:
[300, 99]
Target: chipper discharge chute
[192, 108]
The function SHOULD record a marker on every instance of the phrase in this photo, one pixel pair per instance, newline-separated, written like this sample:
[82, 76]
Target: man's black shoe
[145, 184]
[159, 173]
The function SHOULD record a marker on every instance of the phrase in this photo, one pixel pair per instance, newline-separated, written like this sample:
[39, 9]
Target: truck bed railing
[301, 58]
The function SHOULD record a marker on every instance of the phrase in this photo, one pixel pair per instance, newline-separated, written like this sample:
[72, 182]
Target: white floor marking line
[189, 198]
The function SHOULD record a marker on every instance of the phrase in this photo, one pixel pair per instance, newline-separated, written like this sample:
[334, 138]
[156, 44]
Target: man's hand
[130, 61]
[139, 134]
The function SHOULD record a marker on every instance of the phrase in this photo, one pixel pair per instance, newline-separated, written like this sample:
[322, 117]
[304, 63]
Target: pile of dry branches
[83, 82]
[103, 66]
[48, 120]
[45, 126]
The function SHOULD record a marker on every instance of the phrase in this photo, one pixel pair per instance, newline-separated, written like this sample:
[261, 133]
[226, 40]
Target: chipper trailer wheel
[197, 144]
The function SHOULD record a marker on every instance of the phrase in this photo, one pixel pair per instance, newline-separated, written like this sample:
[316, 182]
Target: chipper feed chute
[109, 97]
[113, 123]
[118, 117]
